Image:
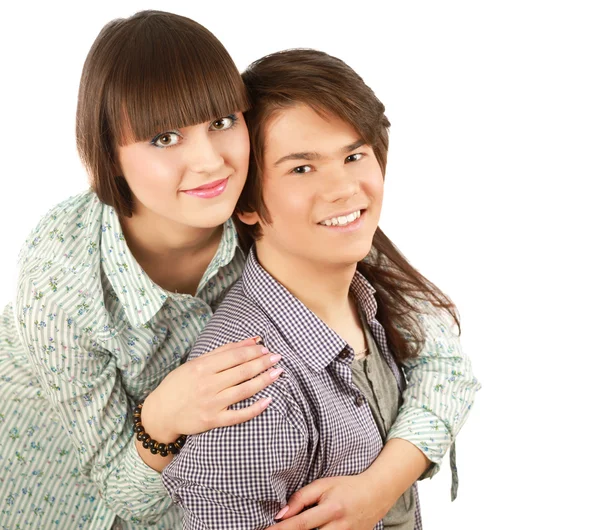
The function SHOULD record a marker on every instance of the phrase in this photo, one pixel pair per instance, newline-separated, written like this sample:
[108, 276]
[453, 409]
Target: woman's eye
[223, 123]
[300, 170]
[354, 158]
[166, 139]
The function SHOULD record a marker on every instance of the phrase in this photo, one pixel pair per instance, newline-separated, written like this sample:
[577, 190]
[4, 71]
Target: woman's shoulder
[61, 265]
[65, 243]
[64, 227]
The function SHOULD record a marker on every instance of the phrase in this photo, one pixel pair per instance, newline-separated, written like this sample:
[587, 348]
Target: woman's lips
[210, 190]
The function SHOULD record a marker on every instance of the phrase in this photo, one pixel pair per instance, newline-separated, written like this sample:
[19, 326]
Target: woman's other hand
[342, 503]
[356, 502]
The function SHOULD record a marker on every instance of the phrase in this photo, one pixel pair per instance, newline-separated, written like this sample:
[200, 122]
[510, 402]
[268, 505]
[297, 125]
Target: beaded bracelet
[148, 443]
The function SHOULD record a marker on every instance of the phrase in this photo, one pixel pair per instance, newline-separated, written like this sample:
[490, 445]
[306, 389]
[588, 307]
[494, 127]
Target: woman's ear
[248, 218]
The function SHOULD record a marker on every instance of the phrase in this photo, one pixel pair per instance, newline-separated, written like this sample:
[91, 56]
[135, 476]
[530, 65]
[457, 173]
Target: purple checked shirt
[318, 425]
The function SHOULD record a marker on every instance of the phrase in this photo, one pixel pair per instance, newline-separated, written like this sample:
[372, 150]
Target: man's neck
[322, 288]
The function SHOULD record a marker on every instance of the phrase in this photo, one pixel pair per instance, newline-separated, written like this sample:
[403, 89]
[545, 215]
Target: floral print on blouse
[89, 335]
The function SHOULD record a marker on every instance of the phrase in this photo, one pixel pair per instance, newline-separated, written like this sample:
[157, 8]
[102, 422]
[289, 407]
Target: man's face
[322, 187]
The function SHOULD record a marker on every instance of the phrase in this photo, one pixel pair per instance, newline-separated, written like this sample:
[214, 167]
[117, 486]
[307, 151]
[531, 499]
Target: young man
[311, 207]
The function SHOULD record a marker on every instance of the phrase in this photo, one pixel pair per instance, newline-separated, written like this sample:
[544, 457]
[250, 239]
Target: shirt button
[360, 400]
[344, 354]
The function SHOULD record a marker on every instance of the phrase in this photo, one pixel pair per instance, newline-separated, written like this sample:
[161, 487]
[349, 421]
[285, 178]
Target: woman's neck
[173, 255]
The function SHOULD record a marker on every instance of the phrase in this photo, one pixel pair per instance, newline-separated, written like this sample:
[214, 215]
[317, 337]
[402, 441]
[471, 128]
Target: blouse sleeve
[439, 394]
[83, 384]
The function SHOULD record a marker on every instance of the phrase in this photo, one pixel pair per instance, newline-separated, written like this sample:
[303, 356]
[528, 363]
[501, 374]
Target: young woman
[116, 283]
[325, 289]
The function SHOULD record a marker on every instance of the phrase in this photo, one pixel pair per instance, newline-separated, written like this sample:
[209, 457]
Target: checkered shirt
[318, 425]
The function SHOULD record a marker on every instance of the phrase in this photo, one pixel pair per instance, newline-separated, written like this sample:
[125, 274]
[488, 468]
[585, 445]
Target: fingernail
[274, 358]
[266, 402]
[282, 512]
[264, 350]
[275, 373]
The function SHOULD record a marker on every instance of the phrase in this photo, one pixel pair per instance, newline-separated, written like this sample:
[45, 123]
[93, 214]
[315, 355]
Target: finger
[313, 518]
[305, 497]
[224, 360]
[233, 417]
[232, 345]
[248, 389]
[246, 371]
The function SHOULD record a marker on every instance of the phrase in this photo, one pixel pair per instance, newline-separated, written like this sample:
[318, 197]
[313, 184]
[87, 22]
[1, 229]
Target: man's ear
[248, 218]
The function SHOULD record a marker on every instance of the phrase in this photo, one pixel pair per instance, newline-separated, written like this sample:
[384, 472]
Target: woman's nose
[204, 156]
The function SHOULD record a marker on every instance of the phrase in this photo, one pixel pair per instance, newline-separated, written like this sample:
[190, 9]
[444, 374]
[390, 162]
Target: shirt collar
[300, 327]
[140, 297]
[228, 246]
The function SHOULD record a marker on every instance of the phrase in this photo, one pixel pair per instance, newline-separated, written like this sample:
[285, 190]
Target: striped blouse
[89, 334]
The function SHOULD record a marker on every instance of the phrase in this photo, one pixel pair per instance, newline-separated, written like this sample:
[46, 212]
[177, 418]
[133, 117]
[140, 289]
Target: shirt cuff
[426, 432]
[139, 473]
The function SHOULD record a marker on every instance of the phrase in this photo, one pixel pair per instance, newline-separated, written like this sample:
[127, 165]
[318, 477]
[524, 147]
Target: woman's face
[192, 176]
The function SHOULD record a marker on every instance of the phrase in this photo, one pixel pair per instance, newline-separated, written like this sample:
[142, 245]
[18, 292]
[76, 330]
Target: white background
[495, 111]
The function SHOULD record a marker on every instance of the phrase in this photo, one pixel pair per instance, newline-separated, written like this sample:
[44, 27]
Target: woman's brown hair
[330, 87]
[143, 75]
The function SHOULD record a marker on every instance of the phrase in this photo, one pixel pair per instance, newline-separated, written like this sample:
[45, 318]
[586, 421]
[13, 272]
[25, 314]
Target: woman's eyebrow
[312, 155]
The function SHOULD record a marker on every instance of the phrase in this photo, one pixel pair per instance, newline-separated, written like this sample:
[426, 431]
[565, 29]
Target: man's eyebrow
[298, 156]
[355, 145]
[317, 156]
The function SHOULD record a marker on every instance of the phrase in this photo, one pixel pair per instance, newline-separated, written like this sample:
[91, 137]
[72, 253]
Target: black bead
[144, 437]
[138, 428]
[153, 450]
[164, 453]
[170, 447]
[162, 447]
[146, 444]
[140, 436]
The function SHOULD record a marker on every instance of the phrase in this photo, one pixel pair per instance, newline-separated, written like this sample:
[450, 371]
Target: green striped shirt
[89, 334]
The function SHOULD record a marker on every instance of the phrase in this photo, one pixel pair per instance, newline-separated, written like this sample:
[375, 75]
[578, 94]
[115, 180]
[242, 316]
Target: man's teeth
[342, 220]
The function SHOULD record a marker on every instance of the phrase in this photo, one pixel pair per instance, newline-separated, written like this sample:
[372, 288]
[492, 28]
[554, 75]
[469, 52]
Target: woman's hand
[342, 503]
[195, 397]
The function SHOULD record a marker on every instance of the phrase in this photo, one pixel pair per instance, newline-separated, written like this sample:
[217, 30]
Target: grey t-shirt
[375, 380]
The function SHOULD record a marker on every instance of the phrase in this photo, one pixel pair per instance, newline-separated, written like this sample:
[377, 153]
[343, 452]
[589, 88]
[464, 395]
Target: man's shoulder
[237, 318]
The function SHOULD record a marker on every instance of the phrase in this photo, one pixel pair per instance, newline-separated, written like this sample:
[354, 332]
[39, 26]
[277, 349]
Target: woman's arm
[84, 387]
[440, 391]
[82, 384]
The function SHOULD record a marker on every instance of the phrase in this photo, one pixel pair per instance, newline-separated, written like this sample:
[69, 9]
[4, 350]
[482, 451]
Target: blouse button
[360, 400]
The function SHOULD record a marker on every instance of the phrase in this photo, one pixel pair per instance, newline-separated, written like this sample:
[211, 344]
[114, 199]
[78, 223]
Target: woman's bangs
[178, 84]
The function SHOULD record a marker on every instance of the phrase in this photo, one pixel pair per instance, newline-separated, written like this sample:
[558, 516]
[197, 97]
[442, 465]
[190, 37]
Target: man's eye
[354, 158]
[223, 123]
[301, 170]
[166, 139]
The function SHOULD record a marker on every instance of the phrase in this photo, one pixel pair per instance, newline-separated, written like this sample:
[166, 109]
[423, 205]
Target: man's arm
[239, 477]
